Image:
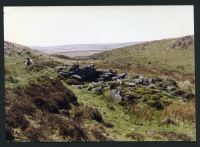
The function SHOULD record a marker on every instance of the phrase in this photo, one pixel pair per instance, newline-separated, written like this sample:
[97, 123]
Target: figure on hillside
[28, 61]
[92, 64]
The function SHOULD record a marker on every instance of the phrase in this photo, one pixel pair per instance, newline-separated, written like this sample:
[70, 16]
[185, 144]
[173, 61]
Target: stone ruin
[89, 73]
[100, 80]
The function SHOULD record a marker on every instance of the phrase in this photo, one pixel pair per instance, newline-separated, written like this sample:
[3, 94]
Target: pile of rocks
[123, 88]
[143, 80]
[107, 75]
[89, 73]
[86, 73]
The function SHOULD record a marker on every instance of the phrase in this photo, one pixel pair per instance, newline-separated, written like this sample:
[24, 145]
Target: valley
[137, 92]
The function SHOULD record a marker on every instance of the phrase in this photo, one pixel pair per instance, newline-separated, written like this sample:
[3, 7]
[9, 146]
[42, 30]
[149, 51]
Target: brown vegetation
[135, 69]
[43, 102]
[184, 112]
[136, 136]
[170, 136]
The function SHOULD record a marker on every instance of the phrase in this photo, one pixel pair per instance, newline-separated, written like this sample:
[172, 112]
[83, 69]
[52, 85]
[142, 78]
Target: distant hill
[12, 48]
[176, 54]
[80, 47]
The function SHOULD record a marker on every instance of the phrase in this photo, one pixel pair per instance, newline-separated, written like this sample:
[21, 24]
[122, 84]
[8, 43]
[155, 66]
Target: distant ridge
[81, 47]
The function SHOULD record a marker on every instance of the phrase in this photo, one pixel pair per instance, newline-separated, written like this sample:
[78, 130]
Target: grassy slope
[158, 54]
[123, 123]
[19, 77]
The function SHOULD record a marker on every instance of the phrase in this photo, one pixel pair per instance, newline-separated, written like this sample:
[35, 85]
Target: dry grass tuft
[141, 113]
[184, 112]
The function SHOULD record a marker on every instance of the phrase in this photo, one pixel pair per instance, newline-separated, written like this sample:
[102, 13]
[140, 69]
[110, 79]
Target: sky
[63, 25]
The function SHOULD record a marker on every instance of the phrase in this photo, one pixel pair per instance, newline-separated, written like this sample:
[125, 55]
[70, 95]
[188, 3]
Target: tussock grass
[181, 112]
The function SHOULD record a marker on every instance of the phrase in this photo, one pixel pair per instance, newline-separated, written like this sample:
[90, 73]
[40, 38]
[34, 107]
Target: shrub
[99, 136]
[35, 134]
[48, 105]
[15, 120]
[173, 136]
[96, 115]
[23, 107]
[179, 92]
[50, 95]
[72, 131]
[156, 104]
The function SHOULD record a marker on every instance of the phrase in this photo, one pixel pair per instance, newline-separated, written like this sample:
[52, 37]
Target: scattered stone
[121, 82]
[78, 86]
[59, 68]
[102, 84]
[77, 77]
[138, 81]
[150, 80]
[129, 84]
[91, 86]
[100, 79]
[106, 77]
[153, 86]
[170, 88]
[64, 74]
[114, 78]
[98, 90]
[74, 67]
[112, 84]
[116, 95]
[122, 76]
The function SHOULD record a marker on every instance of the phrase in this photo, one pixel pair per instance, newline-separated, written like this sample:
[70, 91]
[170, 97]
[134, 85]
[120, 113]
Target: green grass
[16, 69]
[156, 54]
[124, 123]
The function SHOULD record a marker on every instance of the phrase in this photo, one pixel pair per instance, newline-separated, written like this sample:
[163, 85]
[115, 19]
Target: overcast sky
[46, 26]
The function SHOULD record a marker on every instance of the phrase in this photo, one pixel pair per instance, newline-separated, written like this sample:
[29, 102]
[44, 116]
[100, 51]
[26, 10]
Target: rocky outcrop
[124, 88]
[88, 73]
[183, 42]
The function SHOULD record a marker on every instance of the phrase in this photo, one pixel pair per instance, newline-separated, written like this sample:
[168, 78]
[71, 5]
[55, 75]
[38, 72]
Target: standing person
[28, 61]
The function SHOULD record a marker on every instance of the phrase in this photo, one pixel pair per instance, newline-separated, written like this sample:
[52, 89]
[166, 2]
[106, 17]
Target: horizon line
[100, 43]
